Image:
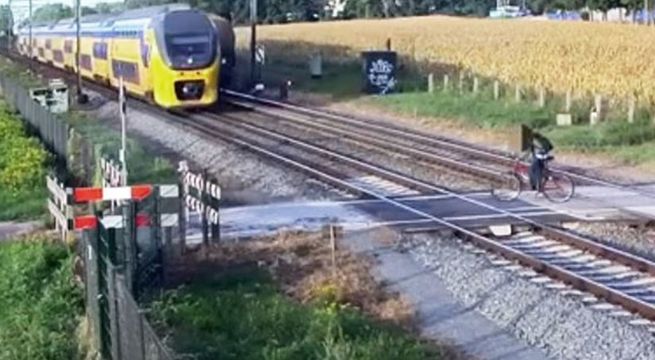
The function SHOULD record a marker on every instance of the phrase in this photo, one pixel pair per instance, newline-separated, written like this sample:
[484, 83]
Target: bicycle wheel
[508, 189]
[558, 188]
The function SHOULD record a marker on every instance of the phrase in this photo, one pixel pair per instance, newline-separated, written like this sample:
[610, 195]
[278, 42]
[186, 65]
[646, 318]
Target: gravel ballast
[562, 325]
[244, 177]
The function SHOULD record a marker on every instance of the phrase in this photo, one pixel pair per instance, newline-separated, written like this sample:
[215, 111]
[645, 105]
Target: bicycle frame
[522, 171]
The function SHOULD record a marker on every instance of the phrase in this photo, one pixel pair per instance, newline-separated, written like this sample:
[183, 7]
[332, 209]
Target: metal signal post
[30, 37]
[253, 40]
[78, 14]
[123, 109]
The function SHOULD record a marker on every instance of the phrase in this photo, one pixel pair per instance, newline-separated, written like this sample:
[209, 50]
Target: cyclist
[540, 150]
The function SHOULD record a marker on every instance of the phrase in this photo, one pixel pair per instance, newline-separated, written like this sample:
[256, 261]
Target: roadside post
[202, 195]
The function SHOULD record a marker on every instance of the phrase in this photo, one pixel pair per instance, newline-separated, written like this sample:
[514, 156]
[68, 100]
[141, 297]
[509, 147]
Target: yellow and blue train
[169, 54]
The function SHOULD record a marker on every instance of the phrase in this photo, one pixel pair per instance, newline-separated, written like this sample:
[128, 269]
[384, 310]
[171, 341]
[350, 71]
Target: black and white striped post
[206, 202]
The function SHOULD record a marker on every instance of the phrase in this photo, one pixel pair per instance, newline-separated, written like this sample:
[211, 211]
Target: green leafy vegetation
[142, 166]
[22, 170]
[40, 305]
[480, 112]
[244, 316]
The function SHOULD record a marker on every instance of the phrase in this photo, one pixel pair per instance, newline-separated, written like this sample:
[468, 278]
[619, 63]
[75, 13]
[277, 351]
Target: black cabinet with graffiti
[379, 68]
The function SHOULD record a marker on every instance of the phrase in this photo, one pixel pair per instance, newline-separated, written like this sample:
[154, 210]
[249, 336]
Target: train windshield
[187, 51]
[190, 40]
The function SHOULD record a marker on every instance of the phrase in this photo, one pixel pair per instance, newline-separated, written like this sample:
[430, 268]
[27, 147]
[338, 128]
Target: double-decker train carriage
[169, 54]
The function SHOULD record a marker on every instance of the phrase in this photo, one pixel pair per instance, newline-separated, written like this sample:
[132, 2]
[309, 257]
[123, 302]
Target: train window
[48, 44]
[100, 51]
[128, 70]
[68, 46]
[58, 56]
[85, 62]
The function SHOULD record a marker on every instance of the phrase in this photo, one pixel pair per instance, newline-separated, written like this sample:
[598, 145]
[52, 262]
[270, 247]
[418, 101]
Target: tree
[108, 8]
[6, 18]
[603, 5]
[85, 10]
[632, 6]
[52, 12]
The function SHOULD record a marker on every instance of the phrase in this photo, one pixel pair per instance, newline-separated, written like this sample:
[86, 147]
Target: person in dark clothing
[540, 149]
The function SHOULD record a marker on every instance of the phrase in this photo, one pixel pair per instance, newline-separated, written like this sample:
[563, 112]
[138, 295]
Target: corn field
[615, 60]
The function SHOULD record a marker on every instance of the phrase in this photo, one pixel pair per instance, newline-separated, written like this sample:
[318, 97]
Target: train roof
[105, 20]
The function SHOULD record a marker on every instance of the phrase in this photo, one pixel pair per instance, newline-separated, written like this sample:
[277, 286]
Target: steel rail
[371, 137]
[589, 245]
[394, 130]
[611, 295]
[614, 296]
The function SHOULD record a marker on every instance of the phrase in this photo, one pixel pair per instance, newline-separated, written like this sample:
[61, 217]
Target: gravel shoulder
[442, 315]
[244, 177]
[531, 307]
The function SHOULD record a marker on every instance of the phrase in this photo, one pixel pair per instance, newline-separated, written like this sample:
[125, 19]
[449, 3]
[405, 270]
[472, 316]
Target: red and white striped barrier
[61, 200]
[93, 194]
[89, 222]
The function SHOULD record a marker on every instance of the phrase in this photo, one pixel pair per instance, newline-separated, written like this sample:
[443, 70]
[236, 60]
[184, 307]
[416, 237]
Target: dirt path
[9, 230]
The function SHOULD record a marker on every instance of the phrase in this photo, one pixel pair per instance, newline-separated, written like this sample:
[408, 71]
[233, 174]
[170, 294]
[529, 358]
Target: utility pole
[30, 37]
[253, 39]
[78, 14]
[9, 16]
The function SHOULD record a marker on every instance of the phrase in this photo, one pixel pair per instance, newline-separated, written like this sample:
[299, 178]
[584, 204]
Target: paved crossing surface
[605, 203]
[590, 204]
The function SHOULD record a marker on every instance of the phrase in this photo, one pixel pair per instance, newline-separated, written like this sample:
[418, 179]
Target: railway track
[616, 276]
[461, 156]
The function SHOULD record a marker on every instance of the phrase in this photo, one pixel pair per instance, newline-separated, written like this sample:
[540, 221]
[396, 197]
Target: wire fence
[118, 269]
[51, 129]
[119, 325]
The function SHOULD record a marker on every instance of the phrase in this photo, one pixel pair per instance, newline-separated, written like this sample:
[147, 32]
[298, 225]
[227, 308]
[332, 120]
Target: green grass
[23, 205]
[40, 306]
[476, 111]
[142, 166]
[628, 143]
[23, 164]
[243, 316]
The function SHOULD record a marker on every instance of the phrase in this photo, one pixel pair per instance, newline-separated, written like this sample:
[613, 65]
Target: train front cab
[185, 60]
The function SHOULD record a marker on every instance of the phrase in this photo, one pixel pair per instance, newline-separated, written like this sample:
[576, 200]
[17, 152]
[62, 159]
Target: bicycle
[556, 187]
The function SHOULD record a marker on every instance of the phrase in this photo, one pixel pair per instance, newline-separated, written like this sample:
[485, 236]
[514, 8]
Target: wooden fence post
[517, 93]
[431, 83]
[461, 82]
[567, 104]
[496, 89]
[446, 80]
[476, 85]
[598, 105]
[542, 97]
[333, 248]
[631, 109]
